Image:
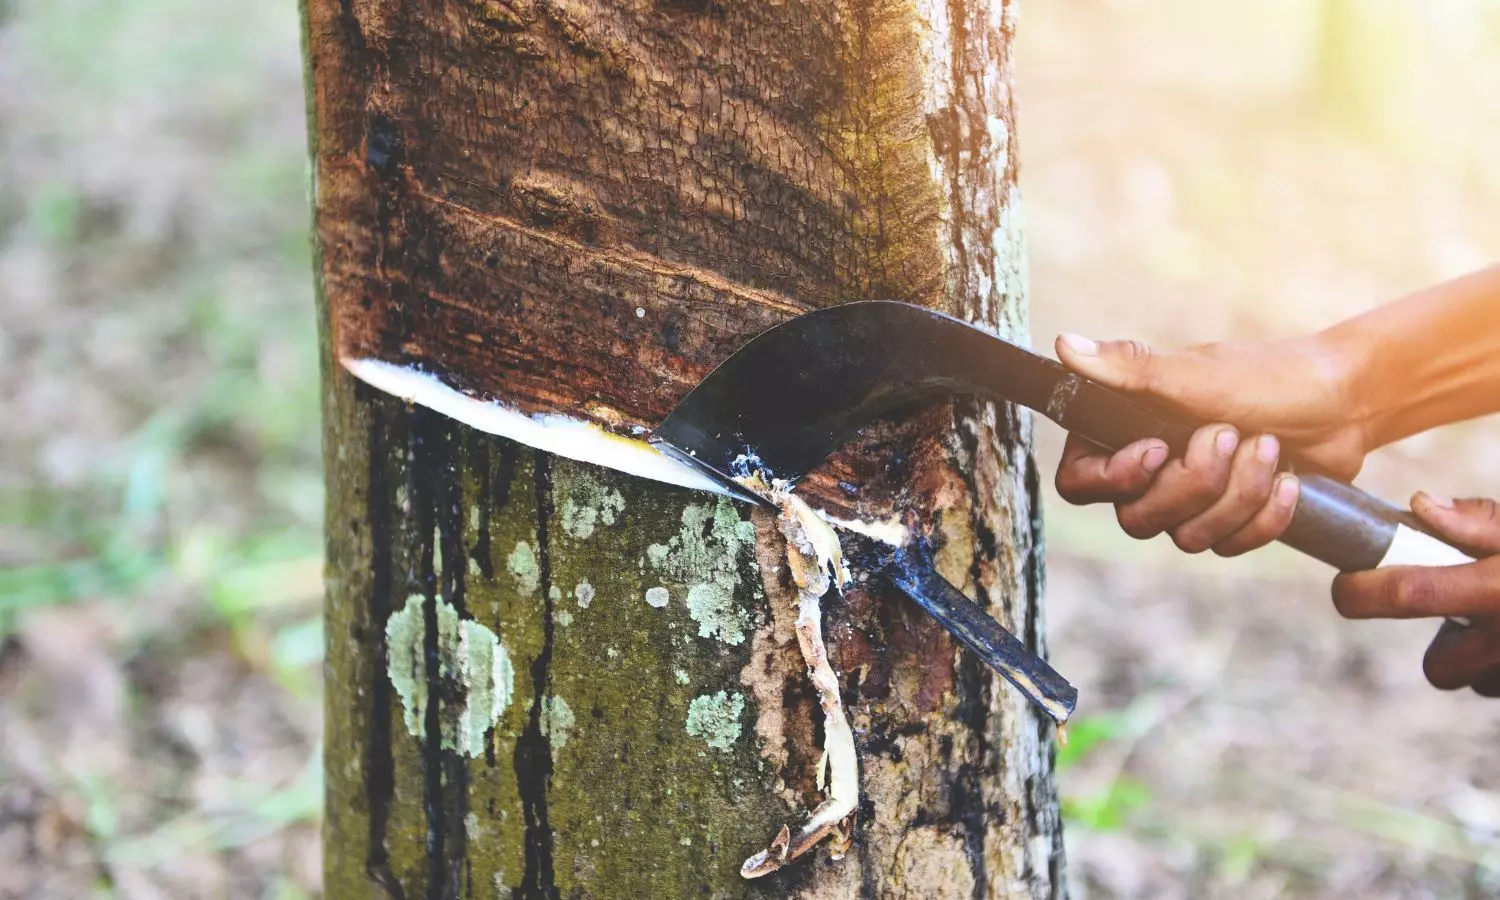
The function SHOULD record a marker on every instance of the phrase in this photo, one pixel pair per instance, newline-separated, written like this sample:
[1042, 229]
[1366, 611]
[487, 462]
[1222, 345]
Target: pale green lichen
[406, 663]
[522, 566]
[584, 594]
[716, 719]
[657, 553]
[681, 675]
[657, 597]
[557, 723]
[563, 618]
[469, 654]
[707, 556]
[588, 504]
[712, 606]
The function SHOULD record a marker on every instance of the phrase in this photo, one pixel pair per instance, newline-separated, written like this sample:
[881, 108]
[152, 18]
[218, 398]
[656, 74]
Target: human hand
[1224, 493]
[1460, 656]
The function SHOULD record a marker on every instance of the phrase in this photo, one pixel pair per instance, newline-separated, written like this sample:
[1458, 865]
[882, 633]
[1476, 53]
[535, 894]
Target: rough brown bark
[580, 207]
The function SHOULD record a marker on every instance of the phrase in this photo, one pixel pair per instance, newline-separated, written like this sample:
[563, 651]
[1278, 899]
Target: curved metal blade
[797, 392]
[793, 395]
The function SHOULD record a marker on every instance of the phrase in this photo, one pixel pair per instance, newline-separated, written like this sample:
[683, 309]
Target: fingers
[1090, 474]
[1269, 523]
[1123, 365]
[1472, 524]
[1222, 494]
[1251, 475]
[1460, 655]
[1464, 657]
[1184, 487]
[1414, 592]
[1488, 684]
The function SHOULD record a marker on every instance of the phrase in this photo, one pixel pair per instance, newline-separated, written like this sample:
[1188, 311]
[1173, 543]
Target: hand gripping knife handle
[1334, 522]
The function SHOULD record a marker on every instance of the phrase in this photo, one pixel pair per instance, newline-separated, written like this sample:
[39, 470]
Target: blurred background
[1192, 171]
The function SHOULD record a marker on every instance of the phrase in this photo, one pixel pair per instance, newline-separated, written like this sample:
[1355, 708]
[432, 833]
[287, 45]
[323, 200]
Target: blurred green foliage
[220, 301]
[158, 354]
[1109, 808]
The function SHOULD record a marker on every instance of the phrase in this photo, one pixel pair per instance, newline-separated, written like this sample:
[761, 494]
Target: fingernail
[1267, 448]
[1081, 345]
[1286, 489]
[1435, 499]
[1226, 441]
[1154, 458]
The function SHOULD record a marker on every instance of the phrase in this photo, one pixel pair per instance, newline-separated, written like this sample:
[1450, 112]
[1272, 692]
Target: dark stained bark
[551, 679]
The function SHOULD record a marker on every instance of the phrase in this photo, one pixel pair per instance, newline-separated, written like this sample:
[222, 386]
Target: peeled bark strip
[551, 679]
[815, 562]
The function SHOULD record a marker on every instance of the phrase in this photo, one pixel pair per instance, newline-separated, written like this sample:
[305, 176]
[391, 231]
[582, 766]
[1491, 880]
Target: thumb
[1123, 365]
[1472, 524]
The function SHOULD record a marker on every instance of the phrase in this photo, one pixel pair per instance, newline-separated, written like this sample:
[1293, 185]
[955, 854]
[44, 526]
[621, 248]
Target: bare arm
[1426, 360]
[1422, 361]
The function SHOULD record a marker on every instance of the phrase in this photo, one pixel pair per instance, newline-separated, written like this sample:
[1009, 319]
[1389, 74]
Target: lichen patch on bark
[716, 718]
[584, 594]
[712, 606]
[522, 567]
[588, 504]
[557, 721]
[705, 559]
[472, 664]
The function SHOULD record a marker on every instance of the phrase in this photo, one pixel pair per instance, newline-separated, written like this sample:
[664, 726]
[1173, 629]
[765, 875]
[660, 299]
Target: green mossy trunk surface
[621, 758]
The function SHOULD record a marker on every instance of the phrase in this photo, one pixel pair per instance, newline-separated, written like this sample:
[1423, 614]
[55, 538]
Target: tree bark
[548, 678]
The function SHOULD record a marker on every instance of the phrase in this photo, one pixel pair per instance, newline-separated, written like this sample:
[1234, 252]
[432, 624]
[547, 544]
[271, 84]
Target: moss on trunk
[621, 759]
[547, 679]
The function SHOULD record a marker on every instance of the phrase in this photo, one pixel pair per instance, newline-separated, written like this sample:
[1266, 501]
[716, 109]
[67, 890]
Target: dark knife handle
[910, 569]
[1334, 522]
[998, 648]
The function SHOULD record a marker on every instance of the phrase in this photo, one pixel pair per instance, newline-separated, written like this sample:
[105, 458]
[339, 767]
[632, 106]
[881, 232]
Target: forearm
[1425, 360]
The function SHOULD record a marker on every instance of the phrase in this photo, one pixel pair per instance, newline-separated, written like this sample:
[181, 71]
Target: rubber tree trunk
[550, 678]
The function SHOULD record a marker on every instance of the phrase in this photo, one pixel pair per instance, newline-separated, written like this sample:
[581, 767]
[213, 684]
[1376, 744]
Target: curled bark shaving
[816, 564]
